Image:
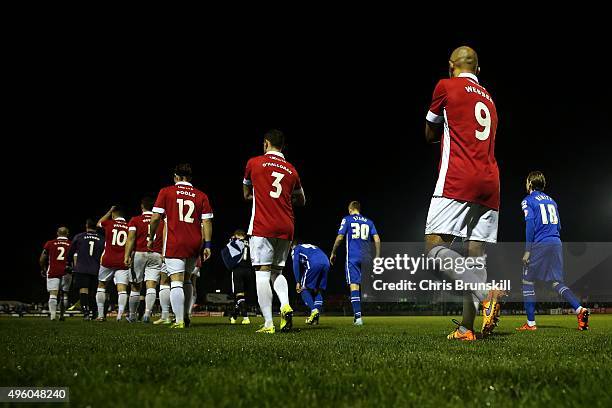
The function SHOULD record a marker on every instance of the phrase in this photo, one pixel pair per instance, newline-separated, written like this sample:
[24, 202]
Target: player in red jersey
[112, 265]
[145, 263]
[465, 202]
[273, 184]
[53, 265]
[188, 231]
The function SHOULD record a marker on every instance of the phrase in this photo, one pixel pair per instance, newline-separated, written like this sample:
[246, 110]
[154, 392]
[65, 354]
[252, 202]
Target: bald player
[53, 265]
[465, 203]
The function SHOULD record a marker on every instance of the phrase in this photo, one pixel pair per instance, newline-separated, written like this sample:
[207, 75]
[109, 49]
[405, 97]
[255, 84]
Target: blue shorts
[353, 271]
[315, 277]
[545, 263]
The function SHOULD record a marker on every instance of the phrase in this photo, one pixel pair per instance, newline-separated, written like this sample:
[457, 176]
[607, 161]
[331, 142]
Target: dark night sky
[104, 124]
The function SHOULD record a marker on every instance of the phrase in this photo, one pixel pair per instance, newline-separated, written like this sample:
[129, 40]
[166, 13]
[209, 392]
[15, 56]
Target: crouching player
[359, 232]
[53, 266]
[543, 258]
[237, 259]
[145, 263]
[310, 267]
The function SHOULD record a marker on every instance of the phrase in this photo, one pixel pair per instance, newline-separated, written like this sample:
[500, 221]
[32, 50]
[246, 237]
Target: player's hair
[119, 211]
[62, 231]
[183, 170]
[276, 138]
[240, 232]
[355, 205]
[536, 180]
[147, 203]
[90, 223]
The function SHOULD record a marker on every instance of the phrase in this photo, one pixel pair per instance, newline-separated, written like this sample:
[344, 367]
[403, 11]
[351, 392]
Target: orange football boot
[583, 319]
[526, 327]
[461, 333]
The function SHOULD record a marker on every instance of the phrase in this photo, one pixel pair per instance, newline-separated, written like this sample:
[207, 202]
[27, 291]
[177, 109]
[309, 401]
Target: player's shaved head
[62, 232]
[90, 224]
[147, 203]
[354, 206]
[275, 138]
[463, 59]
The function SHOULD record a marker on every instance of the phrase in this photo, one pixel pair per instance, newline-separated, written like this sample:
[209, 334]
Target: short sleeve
[343, 227]
[527, 210]
[207, 212]
[373, 229]
[247, 174]
[160, 203]
[438, 102]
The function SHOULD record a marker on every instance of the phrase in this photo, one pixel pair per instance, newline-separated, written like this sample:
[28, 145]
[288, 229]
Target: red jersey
[115, 237]
[185, 207]
[140, 224]
[468, 169]
[274, 182]
[57, 251]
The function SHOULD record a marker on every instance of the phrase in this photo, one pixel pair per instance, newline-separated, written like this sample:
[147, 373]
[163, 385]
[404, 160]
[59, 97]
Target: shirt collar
[147, 212]
[119, 219]
[276, 154]
[62, 237]
[183, 183]
[468, 75]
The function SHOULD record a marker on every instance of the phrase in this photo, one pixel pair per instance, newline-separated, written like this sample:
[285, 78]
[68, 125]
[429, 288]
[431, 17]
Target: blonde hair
[536, 180]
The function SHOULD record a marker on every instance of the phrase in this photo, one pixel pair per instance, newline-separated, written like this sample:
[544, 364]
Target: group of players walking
[164, 245]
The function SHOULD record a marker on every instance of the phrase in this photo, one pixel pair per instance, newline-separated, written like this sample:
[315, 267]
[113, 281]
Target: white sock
[264, 296]
[164, 301]
[188, 293]
[123, 297]
[282, 290]
[150, 301]
[52, 306]
[177, 300]
[100, 299]
[530, 323]
[194, 297]
[65, 301]
[134, 301]
[578, 310]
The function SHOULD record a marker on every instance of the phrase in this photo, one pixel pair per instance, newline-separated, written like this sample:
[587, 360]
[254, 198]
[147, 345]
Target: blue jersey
[358, 231]
[542, 222]
[88, 248]
[308, 260]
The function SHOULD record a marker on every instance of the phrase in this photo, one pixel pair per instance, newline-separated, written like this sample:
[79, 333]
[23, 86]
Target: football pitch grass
[390, 361]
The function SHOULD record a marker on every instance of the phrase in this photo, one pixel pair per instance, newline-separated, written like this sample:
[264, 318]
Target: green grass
[391, 361]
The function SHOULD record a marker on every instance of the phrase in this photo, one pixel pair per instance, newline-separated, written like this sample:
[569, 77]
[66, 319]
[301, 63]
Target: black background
[102, 121]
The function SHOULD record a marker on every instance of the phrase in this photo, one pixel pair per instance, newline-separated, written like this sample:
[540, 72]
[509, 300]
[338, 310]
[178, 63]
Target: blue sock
[318, 303]
[356, 302]
[529, 298]
[307, 298]
[567, 294]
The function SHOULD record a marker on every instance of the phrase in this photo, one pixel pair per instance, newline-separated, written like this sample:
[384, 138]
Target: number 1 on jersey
[188, 217]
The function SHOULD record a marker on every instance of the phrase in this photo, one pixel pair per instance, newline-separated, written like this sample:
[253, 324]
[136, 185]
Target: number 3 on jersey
[278, 188]
[360, 231]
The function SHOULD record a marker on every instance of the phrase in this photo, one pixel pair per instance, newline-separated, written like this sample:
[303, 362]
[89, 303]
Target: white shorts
[120, 276]
[269, 251]
[147, 265]
[180, 265]
[470, 221]
[54, 283]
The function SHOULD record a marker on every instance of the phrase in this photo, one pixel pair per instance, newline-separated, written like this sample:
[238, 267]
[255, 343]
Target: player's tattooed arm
[153, 224]
[298, 198]
[129, 248]
[207, 238]
[106, 216]
[433, 132]
[337, 242]
[376, 239]
[247, 192]
[44, 257]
